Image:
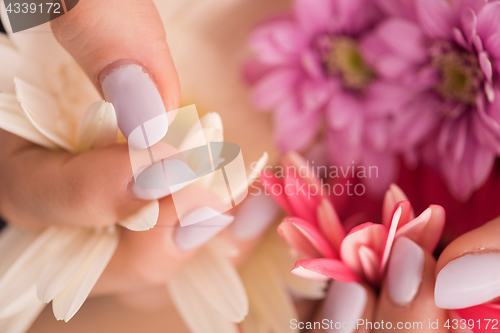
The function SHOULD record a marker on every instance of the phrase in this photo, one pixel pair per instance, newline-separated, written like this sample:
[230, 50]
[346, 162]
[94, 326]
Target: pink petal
[390, 239]
[386, 98]
[298, 196]
[306, 238]
[426, 229]
[332, 268]
[315, 93]
[482, 164]
[436, 17]
[370, 263]
[314, 16]
[405, 38]
[303, 169]
[330, 225]
[492, 45]
[367, 234]
[459, 139]
[387, 167]
[486, 65]
[488, 19]
[460, 39]
[469, 22]
[294, 130]
[392, 197]
[274, 186]
[398, 8]
[274, 87]
[341, 110]
[392, 66]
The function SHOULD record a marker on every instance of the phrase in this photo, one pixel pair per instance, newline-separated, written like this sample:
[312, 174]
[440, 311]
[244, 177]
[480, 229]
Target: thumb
[469, 269]
[121, 45]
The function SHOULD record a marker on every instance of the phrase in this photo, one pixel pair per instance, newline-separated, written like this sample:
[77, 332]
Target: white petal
[42, 110]
[15, 64]
[216, 280]
[198, 315]
[213, 120]
[64, 264]
[18, 281]
[22, 321]
[11, 120]
[70, 299]
[13, 242]
[98, 127]
[144, 219]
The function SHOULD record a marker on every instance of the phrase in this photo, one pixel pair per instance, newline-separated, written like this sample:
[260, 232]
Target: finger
[468, 269]
[407, 299]
[149, 258]
[39, 188]
[347, 308]
[121, 45]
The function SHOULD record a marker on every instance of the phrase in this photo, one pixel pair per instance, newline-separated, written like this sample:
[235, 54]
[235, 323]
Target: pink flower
[447, 55]
[310, 70]
[361, 254]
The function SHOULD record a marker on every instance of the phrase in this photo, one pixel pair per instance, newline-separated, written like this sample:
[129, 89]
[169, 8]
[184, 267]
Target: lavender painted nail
[141, 114]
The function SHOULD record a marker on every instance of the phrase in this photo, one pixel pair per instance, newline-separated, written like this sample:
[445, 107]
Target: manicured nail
[254, 215]
[137, 103]
[404, 274]
[194, 235]
[151, 183]
[345, 302]
[468, 281]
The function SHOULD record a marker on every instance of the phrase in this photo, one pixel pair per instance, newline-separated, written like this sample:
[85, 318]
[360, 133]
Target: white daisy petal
[22, 321]
[98, 127]
[15, 64]
[70, 299]
[217, 281]
[198, 315]
[43, 112]
[20, 278]
[144, 219]
[64, 265]
[11, 120]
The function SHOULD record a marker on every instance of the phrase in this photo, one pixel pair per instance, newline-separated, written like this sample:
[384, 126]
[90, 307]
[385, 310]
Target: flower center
[461, 76]
[341, 57]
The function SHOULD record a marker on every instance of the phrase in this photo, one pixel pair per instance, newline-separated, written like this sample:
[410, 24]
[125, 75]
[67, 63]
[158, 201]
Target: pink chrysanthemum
[331, 251]
[310, 70]
[447, 55]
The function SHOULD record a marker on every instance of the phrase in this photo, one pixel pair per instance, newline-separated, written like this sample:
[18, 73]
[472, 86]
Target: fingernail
[405, 270]
[468, 281]
[137, 102]
[151, 183]
[345, 303]
[254, 215]
[194, 235]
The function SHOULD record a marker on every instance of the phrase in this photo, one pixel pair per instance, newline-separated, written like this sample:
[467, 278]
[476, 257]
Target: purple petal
[405, 38]
[492, 45]
[488, 20]
[377, 134]
[483, 163]
[312, 65]
[342, 110]
[436, 17]
[294, 130]
[485, 65]
[315, 16]
[484, 136]
[460, 134]
[469, 22]
[478, 44]
[385, 98]
[460, 39]
[274, 87]
[392, 67]
[276, 42]
[315, 93]
[344, 145]
[398, 8]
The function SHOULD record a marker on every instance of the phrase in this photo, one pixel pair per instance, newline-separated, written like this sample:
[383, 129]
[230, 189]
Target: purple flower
[310, 69]
[447, 54]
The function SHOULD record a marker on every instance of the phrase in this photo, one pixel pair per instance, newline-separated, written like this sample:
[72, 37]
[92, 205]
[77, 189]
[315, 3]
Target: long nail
[468, 281]
[151, 183]
[138, 104]
[194, 235]
[345, 303]
[254, 215]
[404, 274]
